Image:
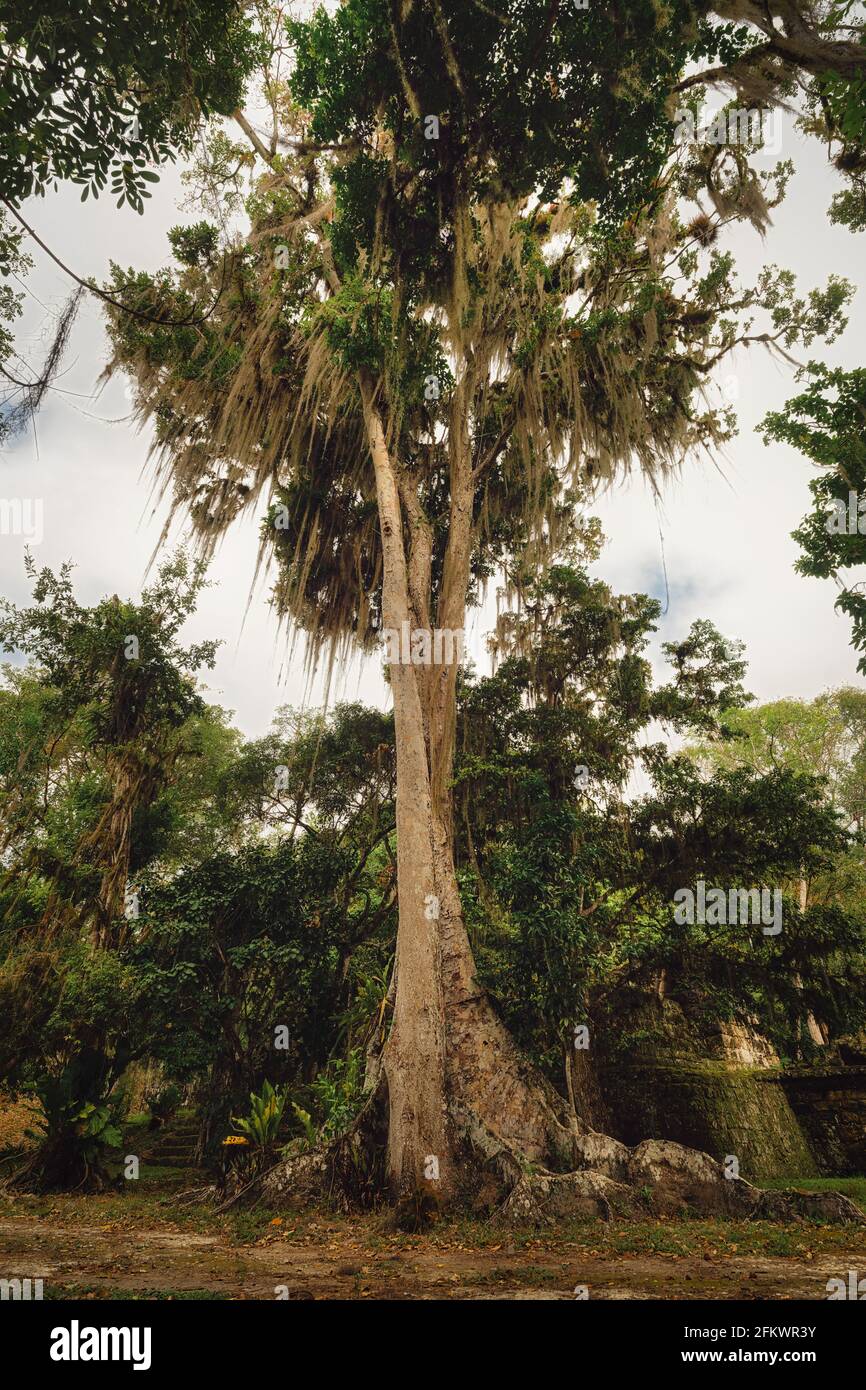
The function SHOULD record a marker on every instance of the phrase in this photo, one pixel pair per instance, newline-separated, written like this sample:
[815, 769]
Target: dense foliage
[259, 948]
[577, 831]
[100, 92]
[827, 423]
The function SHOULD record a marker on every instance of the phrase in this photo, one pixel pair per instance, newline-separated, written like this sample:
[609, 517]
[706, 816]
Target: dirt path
[336, 1263]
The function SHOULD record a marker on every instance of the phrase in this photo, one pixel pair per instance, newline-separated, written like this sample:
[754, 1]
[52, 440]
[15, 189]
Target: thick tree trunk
[450, 1064]
[419, 1149]
[486, 1076]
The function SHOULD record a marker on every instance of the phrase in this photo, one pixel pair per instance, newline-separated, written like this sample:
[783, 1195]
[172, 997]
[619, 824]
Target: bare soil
[144, 1253]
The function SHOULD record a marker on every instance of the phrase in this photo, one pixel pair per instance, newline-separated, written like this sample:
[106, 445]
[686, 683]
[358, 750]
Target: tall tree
[472, 280]
[825, 737]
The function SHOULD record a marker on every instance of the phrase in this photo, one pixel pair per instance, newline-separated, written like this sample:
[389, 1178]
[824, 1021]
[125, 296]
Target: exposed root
[192, 1196]
[599, 1151]
[301, 1180]
[348, 1171]
[541, 1198]
[667, 1179]
[608, 1181]
[792, 1203]
[612, 1180]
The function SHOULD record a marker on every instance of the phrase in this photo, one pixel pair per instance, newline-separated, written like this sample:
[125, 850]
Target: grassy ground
[161, 1238]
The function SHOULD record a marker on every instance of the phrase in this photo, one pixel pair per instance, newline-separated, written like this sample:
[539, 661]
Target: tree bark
[449, 1061]
[413, 1059]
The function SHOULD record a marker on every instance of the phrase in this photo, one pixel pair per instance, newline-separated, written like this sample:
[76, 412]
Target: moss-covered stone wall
[830, 1104]
[710, 1106]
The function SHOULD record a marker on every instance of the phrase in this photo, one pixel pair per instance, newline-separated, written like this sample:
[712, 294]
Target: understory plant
[76, 1139]
[262, 1124]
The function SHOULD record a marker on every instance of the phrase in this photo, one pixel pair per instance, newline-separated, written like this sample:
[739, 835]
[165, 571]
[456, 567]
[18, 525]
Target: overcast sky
[726, 524]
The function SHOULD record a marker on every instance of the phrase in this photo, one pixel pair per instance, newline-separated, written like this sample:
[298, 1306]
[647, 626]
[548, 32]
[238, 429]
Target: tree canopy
[97, 93]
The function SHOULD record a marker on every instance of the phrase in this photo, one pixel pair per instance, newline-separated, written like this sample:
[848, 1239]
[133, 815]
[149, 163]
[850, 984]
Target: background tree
[823, 738]
[239, 968]
[120, 668]
[97, 723]
[826, 423]
[575, 831]
[284, 925]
